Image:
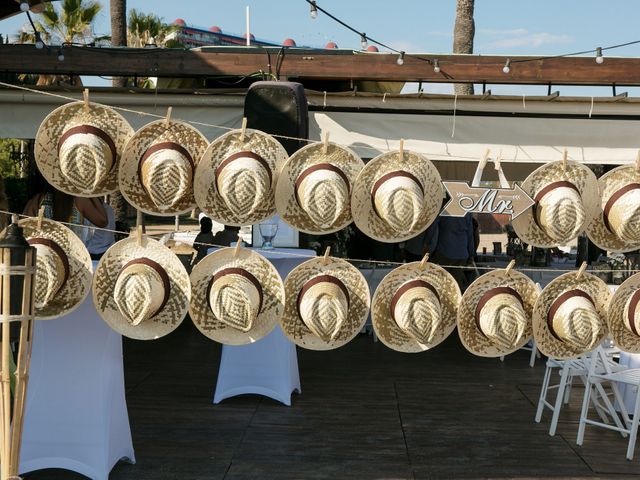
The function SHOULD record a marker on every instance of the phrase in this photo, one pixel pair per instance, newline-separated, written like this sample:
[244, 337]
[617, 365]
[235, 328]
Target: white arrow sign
[465, 199]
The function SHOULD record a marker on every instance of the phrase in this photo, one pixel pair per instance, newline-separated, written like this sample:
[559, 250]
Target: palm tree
[118, 11]
[146, 28]
[463, 33]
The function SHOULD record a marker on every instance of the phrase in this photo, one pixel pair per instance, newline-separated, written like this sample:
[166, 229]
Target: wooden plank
[318, 65]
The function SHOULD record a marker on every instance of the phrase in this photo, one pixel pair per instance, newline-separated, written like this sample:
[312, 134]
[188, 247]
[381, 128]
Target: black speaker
[278, 108]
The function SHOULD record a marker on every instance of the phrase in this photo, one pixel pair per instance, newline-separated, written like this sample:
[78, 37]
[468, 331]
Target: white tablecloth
[76, 412]
[269, 366]
[628, 392]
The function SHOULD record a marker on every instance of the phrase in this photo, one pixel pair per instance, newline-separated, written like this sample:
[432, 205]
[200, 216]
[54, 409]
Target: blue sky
[514, 27]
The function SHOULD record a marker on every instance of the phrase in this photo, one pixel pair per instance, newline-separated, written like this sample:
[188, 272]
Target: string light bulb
[313, 9]
[24, 6]
[507, 66]
[599, 56]
[436, 66]
[400, 60]
[363, 41]
[60, 55]
[39, 42]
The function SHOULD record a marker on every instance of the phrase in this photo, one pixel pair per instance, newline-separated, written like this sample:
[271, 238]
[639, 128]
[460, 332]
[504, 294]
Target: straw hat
[64, 268]
[327, 303]
[617, 227]
[313, 193]
[623, 316]
[494, 317]
[78, 148]
[141, 289]
[414, 308]
[235, 180]
[238, 296]
[396, 198]
[569, 318]
[566, 201]
[157, 168]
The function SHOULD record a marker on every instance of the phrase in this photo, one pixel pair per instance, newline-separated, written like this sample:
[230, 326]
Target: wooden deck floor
[365, 413]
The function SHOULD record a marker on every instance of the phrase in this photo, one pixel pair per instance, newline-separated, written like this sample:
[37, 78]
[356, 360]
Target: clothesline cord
[303, 255]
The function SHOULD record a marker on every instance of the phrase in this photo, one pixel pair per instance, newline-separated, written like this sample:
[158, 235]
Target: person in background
[416, 247]
[227, 236]
[204, 238]
[454, 246]
[99, 240]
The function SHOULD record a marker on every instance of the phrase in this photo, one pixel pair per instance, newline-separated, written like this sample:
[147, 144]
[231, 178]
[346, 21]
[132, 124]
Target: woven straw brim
[206, 192]
[623, 338]
[580, 175]
[129, 177]
[610, 183]
[54, 125]
[359, 301]
[592, 285]
[364, 215]
[388, 330]
[287, 206]
[472, 338]
[75, 290]
[174, 311]
[272, 296]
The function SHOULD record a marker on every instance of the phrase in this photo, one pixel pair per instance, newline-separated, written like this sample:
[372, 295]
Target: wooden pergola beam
[318, 65]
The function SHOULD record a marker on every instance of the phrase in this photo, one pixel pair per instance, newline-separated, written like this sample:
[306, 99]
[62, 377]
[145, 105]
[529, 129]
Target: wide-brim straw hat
[418, 210]
[236, 177]
[313, 193]
[158, 167]
[577, 203]
[495, 291]
[616, 228]
[164, 284]
[398, 284]
[320, 273]
[579, 288]
[64, 270]
[258, 276]
[624, 314]
[93, 137]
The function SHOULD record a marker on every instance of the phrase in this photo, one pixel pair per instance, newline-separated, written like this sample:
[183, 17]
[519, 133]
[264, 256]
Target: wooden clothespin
[581, 270]
[638, 161]
[425, 259]
[401, 149]
[325, 146]
[15, 218]
[85, 95]
[40, 217]
[139, 235]
[496, 161]
[565, 154]
[238, 245]
[507, 270]
[167, 119]
[325, 259]
[243, 129]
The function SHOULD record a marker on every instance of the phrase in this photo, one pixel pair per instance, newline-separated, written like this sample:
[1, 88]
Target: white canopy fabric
[452, 131]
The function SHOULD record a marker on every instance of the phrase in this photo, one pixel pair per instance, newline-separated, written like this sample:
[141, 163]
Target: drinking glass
[268, 232]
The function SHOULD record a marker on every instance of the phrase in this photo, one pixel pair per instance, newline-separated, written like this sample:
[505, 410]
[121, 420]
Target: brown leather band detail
[417, 283]
[166, 146]
[90, 129]
[56, 248]
[163, 275]
[488, 295]
[613, 199]
[243, 273]
[548, 188]
[244, 154]
[319, 279]
[635, 298]
[314, 168]
[557, 303]
[384, 178]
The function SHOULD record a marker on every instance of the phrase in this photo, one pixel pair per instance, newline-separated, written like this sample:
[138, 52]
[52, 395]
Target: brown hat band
[633, 303]
[488, 295]
[558, 302]
[314, 168]
[319, 279]
[613, 199]
[56, 248]
[547, 189]
[90, 129]
[418, 283]
[165, 146]
[243, 273]
[164, 276]
[388, 176]
[244, 154]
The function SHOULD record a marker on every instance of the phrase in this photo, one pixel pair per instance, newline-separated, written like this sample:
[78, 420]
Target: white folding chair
[612, 376]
